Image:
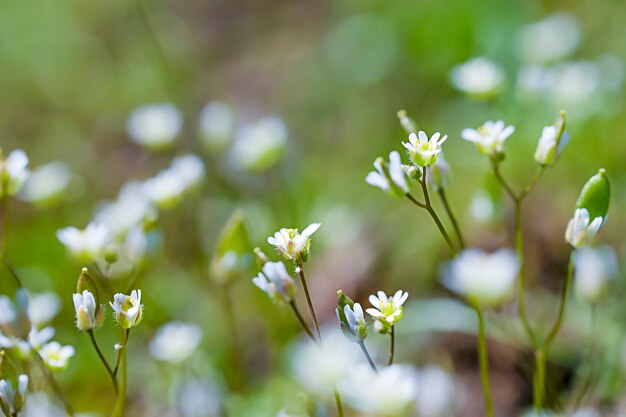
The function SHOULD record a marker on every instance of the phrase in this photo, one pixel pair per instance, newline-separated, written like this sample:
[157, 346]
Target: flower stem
[542, 352]
[118, 410]
[52, 381]
[392, 337]
[452, 217]
[300, 272]
[429, 208]
[483, 361]
[304, 324]
[92, 337]
[5, 220]
[120, 353]
[367, 355]
[339, 405]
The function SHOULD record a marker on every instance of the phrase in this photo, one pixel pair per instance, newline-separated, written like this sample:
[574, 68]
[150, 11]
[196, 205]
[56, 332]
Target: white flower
[89, 315]
[260, 146]
[127, 310]
[42, 308]
[550, 145]
[389, 393]
[175, 341]
[275, 281]
[46, 184]
[13, 172]
[581, 230]
[14, 398]
[130, 209]
[22, 348]
[155, 126]
[217, 122]
[595, 268]
[87, 244]
[356, 324]
[424, 151]
[478, 77]
[294, 245]
[487, 278]
[391, 177]
[489, 138]
[168, 187]
[388, 310]
[189, 169]
[55, 356]
[550, 39]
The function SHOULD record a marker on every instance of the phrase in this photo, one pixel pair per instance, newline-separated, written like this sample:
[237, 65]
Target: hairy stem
[392, 344]
[120, 353]
[302, 322]
[92, 337]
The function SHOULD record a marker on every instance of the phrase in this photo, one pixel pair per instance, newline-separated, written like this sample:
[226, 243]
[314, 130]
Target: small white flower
[168, 187]
[131, 208]
[489, 138]
[294, 245]
[487, 278]
[127, 310]
[42, 308]
[595, 268]
[46, 184]
[189, 169]
[275, 281]
[155, 126]
[391, 177]
[387, 310]
[356, 324]
[260, 146]
[424, 151]
[55, 356]
[479, 77]
[175, 341]
[89, 315]
[550, 39]
[13, 172]
[581, 230]
[87, 244]
[551, 144]
[217, 123]
[14, 398]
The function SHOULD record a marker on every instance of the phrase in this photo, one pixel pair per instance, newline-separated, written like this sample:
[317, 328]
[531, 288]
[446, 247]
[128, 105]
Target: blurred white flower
[46, 184]
[423, 151]
[276, 282]
[13, 172]
[175, 341]
[437, 395]
[489, 138]
[550, 39]
[197, 398]
[190, 170]
[389, 393]
[586, 412]
[55, 356]
[217, 123]
[482, 207]
[168, 187]
[260, 146]
[14, 397]
[142, 243]
[595, 268]
[391, 178]
[487, 278]
[575, 84]
[130, 209]
[85, 245]
[387, 310]
[89, 315]
[22, 348]
[127, 309]
[39, 405]
[294, 245]
[42, 308]
[478, 77]
[533, 80]
[155, 126]
[581, 230]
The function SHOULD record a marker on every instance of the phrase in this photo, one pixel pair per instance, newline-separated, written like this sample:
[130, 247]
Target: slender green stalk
[300, 272]
[367, 355]
[339, 405]
[392, 344]
[121, 353]
[452, 217]
[429, 208]
[542, 352]
[302, 322]
[5, 220]
[52, 381]
[120, 401]
[483, 361]
[92, 337]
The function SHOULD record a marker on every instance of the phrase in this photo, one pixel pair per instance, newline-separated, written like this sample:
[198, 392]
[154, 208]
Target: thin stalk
[300, 272]
[367, 355]
[92, 337]
[542, 353]
[392, 344]
[5, 220]
[483, 361]
[415, 201]
[52, 381]
[120, 401]
[339, 405]
[429, 208]
[301, 320]
[120, 353]
[452, 217]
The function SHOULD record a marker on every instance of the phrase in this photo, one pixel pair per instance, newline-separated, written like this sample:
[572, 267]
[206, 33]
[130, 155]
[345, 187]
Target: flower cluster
[292, 244]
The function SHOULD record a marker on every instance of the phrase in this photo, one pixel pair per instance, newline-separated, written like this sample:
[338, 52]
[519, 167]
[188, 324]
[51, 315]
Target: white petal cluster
[217, 123]
[168, 187]
[89, 315]
[175, 341]
[595, 268]
[551, 144]
[259, 146]
[422, 150]
[487, 278]
[127, 310]
[155, 126]
[479, 77]
[14, 397]
[55, 356]
[387, 310]
[276, 282]
[87, 244]
[356, 321]
[581, 230]
[294, 245]
[13, 172]
[391, 177]
[46, 184]
[489, 138]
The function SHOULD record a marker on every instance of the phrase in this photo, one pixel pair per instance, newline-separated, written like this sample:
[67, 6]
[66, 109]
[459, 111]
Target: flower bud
[351, 318]
[595, 195]
[89, 315]
[553, 140]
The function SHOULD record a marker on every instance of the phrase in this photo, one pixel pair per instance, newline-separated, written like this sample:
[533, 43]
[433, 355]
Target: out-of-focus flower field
[158, 143]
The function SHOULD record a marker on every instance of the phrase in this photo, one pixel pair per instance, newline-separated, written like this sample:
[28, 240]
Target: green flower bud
[86, 283]
[595, 195]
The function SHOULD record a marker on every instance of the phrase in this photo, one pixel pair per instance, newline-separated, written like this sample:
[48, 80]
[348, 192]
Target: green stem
[300, 272]
[120, 401]
[120, 353]
[367, 355]
[483, 361]
[92, 337]
[429, 208]
[392, 337]
[339, 405]
[52, 381]
[304, 324]
[452, 217]
[5, 221]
